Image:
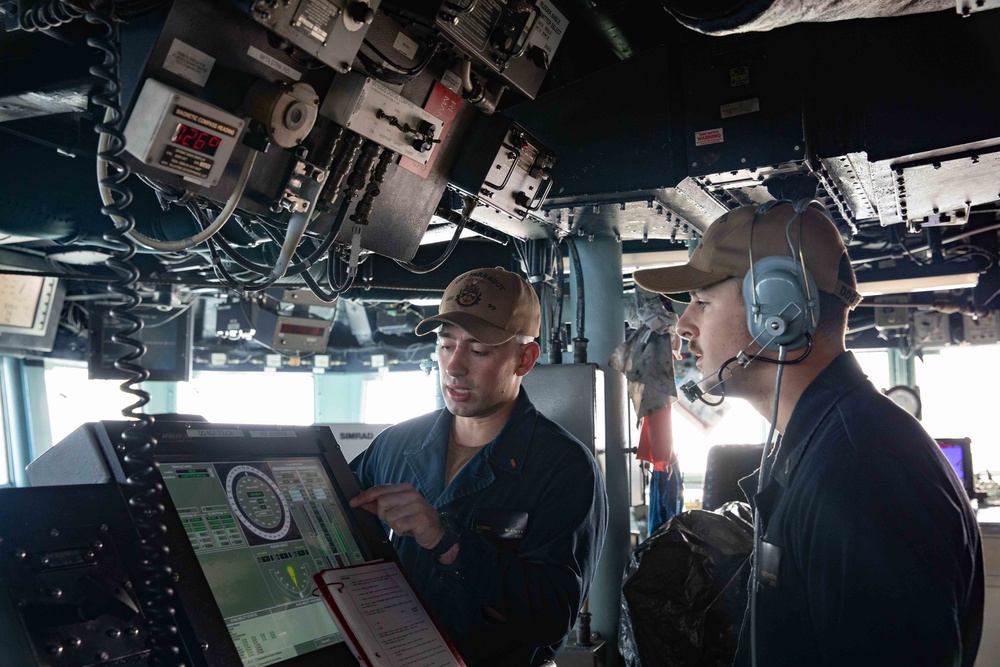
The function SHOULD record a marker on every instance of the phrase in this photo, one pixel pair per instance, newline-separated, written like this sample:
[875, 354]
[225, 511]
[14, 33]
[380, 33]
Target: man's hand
[405, 510]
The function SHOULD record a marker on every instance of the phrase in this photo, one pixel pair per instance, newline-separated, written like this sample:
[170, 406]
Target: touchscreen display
[261, 530]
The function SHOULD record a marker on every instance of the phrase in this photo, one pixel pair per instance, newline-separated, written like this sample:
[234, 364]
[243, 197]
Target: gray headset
[782, 302]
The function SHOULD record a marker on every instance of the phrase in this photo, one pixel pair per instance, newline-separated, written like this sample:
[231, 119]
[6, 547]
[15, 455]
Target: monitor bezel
[101, 362]
[175, 445]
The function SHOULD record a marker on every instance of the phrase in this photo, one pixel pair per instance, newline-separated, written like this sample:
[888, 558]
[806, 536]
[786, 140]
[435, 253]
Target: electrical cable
[332, 271]
[580, 342]
[322, 248]
[171, 317]
[895, 234]
[237, 257]
[217, 265]
[358, 179]
[372, 189]
[146, 505]
[310, 281]
[295, 230]
[317, 289]
[470, 205]
[925, 247]
[556, 308]
[763, 477]
[467, 84]
[340, 167]
[297, 223]
[205, 234]
[557, 273]
[431, 50]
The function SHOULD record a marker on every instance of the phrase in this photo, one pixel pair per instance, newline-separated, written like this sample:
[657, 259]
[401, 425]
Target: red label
[441, 103]
[706, 137]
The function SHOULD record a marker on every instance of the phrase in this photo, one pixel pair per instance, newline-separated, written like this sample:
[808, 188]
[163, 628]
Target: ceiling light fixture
[928, 279]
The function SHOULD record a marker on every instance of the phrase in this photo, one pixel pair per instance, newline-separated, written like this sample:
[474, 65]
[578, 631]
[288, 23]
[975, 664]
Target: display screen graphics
[261, 530]
[954, 455]
[195, 139]
[958, 451]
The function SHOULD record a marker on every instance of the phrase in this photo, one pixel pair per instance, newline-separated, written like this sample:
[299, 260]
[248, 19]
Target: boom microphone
[695, 393]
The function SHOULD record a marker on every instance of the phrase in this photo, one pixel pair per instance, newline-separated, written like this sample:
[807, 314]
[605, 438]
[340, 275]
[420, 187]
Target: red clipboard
[382, 619]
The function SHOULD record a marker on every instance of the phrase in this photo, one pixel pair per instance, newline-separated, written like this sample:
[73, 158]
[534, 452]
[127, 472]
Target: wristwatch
[452, 533]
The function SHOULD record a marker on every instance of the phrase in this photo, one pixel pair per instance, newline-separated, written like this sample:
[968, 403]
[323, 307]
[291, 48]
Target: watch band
[452, 533]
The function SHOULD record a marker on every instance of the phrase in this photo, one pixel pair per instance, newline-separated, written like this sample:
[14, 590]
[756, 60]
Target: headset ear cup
[777, 308]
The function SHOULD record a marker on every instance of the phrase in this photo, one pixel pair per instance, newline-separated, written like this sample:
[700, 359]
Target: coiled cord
[51, 14]
[157, 579]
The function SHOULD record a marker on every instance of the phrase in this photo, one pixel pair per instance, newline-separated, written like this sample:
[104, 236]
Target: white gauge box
[180, 134]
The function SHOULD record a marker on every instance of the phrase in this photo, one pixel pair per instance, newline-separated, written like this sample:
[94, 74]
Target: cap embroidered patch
[470, 294]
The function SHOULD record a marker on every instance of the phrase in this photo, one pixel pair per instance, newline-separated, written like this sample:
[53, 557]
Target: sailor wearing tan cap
[497, 513]
[867, 549]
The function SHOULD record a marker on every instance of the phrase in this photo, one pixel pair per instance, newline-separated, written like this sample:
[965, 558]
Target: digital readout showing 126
[195, 139]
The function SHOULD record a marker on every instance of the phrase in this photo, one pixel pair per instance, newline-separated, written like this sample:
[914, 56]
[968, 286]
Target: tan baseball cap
[493, 305]
[724, 251]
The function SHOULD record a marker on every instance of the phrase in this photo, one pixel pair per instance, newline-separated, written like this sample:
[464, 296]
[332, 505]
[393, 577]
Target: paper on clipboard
[382, 619]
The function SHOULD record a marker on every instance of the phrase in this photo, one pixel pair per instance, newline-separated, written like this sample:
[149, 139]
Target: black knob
[522, 199]
[361, 12]
[426, 127]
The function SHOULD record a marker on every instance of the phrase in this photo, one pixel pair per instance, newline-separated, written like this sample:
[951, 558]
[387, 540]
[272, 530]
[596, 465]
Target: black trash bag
[685, 590]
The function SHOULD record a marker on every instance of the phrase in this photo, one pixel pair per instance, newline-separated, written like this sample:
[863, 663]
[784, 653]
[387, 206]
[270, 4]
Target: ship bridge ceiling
[641, 121]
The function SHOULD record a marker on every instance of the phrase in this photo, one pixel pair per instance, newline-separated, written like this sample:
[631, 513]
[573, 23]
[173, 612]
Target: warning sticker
[186, 61]
[406, 46]
[186, 163]
[739, 108]
[706, 137]
[739, 76]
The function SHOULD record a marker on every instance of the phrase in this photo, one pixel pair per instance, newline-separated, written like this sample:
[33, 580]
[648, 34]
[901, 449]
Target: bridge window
[396, 397]
[248, 398]
[958, 393]
[74, 400]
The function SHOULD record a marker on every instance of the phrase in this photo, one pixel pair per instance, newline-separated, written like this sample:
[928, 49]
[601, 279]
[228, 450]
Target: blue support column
[36, 404]
[16, 410]
[902, 370]
[601, 260]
